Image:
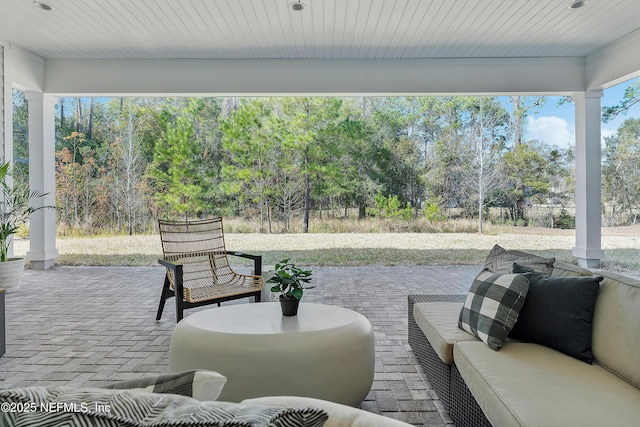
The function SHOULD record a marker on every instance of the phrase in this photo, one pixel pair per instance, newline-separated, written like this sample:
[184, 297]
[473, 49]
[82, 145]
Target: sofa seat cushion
[527, 384]
[438, 321]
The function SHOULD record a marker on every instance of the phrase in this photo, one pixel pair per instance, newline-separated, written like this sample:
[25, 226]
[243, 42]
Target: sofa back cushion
[562, 269]
[616, 319]
[501, 261]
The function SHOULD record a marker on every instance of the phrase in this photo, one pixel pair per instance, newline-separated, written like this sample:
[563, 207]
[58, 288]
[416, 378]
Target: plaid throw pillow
[492, 306]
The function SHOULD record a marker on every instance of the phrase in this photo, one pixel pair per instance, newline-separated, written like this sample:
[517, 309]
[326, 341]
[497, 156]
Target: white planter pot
[11, 274]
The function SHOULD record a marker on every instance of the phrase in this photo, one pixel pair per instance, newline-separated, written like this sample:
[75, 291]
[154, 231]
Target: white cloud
[604, 132]
[551, 130]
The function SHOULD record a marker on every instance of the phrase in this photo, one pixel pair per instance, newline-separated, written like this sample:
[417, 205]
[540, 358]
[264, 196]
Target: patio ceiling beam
[23, 69]
[614, 64]
[175, 77]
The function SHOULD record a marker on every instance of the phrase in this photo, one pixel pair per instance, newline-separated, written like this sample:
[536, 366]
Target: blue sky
[555, 125]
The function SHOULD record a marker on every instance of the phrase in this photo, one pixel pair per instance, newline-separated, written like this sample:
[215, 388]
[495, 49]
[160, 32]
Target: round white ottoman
[324, 352]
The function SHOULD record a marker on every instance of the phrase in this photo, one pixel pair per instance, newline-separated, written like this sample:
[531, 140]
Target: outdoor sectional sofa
[524, 383]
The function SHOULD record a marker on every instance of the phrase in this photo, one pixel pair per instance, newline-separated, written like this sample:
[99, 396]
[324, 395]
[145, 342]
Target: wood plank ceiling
[324, 29]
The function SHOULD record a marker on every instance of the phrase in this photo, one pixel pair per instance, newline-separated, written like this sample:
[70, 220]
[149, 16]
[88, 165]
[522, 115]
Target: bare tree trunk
[62, 112]
[517, 120]
[128, 176]
[307, 183]
[362, 210]
[520, 111]
[90, 125]
[630, 205]
[263, 203]
[613, 213]
[307, 201]
[79, 124]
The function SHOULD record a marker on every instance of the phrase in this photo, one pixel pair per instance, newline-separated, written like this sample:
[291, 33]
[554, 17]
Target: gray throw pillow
[558, 313]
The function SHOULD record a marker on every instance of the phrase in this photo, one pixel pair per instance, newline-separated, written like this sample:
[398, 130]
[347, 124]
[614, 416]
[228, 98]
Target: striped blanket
[66, 406]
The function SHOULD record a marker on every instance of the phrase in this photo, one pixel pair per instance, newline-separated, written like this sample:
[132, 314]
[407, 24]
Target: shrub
[432, 211]
[564, 220]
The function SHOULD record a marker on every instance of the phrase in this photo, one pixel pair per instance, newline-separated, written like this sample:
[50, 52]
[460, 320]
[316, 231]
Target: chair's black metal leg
[257, 270]
[166, 293]
[179, 309]
[179, 293]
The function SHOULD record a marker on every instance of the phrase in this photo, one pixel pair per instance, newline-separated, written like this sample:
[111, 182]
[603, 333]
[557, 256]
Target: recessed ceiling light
[41, 5]
[578, 4]
[296, 6]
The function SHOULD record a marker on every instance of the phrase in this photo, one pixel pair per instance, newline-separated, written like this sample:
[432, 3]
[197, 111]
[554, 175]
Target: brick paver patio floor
[90, 326]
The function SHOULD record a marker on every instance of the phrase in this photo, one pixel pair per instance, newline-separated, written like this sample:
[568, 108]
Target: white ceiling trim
[313, 77]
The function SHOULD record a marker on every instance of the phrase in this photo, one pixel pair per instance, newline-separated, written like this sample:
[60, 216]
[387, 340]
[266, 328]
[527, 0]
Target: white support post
[588, 249]
[42, 224]
[3, 98]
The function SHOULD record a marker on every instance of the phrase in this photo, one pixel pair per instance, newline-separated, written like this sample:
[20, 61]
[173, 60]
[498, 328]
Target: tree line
[121, 163]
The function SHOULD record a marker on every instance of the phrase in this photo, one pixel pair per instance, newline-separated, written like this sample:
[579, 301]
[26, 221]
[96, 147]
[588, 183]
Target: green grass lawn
[622, 248]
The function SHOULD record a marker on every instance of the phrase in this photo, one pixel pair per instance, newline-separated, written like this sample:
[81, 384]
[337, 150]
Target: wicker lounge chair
[198, 269]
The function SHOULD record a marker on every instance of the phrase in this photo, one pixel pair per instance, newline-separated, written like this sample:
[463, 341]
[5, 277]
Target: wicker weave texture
[438, 373]
[199, 246]
[445, 378]
[464, 409]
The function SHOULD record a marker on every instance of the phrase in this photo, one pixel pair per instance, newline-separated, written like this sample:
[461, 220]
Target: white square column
[588, 249]
[42, 177]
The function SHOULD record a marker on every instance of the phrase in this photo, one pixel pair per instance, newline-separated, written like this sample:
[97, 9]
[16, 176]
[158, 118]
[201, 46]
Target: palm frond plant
[15, 208]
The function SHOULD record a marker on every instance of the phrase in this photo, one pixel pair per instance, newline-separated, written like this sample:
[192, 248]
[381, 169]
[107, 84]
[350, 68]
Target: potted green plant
[290, 283]
[15, 208]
